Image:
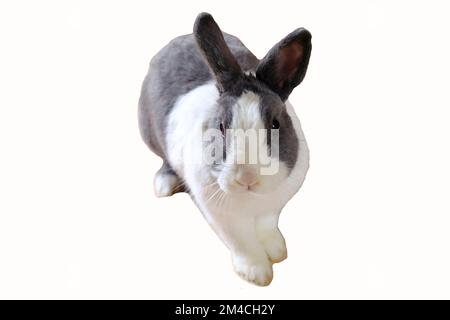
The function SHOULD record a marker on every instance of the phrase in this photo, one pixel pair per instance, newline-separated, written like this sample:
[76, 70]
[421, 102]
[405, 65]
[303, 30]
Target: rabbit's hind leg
[167, 182]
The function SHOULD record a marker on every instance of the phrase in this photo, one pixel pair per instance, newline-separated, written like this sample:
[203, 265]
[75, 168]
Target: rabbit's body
[180, 100]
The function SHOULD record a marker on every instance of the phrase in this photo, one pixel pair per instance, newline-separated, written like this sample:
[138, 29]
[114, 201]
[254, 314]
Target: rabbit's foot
[256, 271]
[166, 183]
[274, 245]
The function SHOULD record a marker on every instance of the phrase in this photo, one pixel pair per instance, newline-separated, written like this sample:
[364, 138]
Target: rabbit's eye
[275, 124]
[222, 129]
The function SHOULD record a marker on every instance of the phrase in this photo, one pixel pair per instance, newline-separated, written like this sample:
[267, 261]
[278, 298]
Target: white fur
[247, 118]
[165, 184]
[246, 112]
[247, 222]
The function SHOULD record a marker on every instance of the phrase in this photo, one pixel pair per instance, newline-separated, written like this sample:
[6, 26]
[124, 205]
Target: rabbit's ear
[212, 45]
[284, 67]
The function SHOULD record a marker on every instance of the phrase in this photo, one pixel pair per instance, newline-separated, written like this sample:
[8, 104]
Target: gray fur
[192, 60]
[175, 70]
[285, 65]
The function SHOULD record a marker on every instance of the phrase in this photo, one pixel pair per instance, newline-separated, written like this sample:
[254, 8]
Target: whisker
[217, 191]
[211, 184]
[222, 199]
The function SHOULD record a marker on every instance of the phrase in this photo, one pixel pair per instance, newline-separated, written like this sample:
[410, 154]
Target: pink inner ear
[288, 62]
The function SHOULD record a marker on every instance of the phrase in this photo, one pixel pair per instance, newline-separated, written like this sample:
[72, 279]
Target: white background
[78, 218]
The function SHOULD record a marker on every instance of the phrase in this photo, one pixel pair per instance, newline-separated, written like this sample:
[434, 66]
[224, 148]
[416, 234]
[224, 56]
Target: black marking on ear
[285, 65]
[214, 49]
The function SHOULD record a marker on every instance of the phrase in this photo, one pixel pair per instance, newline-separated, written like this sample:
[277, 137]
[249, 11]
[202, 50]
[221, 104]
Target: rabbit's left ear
[214, 49]
[284, 67]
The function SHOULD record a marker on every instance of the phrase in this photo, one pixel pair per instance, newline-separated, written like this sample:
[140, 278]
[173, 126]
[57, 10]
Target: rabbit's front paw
[166, 184]
[258, 272]
[274, 245]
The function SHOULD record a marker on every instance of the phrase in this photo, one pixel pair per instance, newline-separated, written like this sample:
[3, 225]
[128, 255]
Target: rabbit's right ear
[214, 49]
[284, 67]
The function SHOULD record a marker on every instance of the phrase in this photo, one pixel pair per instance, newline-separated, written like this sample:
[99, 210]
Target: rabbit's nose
[246, 177]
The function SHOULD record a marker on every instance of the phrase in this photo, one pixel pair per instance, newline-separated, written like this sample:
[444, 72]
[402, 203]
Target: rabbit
[210, 80]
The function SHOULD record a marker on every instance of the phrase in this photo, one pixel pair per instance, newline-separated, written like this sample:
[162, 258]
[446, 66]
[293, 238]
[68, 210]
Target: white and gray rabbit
[210, 80]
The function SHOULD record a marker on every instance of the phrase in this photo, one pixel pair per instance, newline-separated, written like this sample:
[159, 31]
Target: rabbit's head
[255, 135]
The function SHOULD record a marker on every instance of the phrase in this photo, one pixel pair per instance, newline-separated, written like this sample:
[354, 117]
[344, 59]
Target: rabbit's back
[174, 71]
